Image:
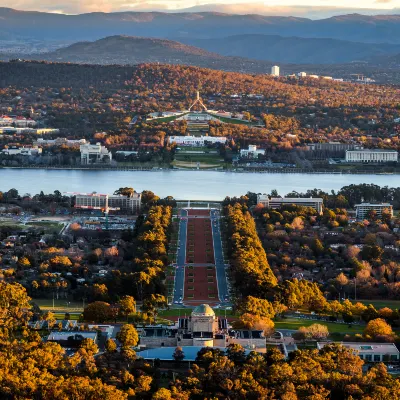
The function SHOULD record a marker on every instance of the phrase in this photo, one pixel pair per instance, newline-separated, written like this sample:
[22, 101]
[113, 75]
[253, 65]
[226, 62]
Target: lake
[182, 185]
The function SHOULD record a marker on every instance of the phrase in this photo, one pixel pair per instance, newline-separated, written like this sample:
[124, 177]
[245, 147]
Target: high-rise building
[275, 71]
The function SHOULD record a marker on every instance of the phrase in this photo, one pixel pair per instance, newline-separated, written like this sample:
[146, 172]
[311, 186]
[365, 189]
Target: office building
[199, 141]
[370, 352]
[275, 70]
[363, 209]
[251, 152]
[332, 146]
[278, 202]
[126, 204]
[371, 156]
[94, 154]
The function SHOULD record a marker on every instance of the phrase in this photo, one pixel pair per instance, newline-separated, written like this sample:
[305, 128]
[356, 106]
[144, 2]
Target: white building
[251, 152]
[196, 140]
[275, 70]
[302, 74]
[128, 204]
[94, 153]
[59, 142]
[23, 151]
[372, 155]
[20, 122]
[277, 202]
[363, 209]
[370, 352]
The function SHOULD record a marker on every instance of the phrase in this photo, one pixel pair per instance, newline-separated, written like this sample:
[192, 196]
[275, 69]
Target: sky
[306, 8]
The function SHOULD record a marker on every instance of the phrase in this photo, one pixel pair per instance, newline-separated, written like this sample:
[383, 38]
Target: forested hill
[132, 50]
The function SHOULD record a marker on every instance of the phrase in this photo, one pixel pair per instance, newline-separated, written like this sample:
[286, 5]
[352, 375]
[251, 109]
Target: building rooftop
[166, 353]
[380, 348]
[203, 310]
[373, 151]
[373, 205]
[298, 199]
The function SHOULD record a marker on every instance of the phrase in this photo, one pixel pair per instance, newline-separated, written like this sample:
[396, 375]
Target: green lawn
[292, 323]
[47, 304]
[393, 304]
[73, 317]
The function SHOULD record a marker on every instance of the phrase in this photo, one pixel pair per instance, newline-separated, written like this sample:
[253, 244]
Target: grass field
[292, 323]
[47, 304]
[73, 317]
[393, 304]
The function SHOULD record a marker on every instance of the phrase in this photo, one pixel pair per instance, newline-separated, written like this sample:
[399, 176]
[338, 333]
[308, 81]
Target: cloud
[86, 6]
[383, 1]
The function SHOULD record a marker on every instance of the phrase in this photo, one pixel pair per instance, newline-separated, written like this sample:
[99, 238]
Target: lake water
[182, 185]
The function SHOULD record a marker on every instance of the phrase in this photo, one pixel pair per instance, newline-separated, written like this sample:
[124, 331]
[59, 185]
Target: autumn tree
[128, 336]
[378, 327]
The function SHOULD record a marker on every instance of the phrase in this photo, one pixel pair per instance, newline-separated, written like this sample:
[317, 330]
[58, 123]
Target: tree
[162, 394]
[111, 347]
[378, 327]
[178, 355]
[256, 306]
[98, 311]
[127, 305]
[128, 336]
[125, 191]
[314, 331]
[24, 262]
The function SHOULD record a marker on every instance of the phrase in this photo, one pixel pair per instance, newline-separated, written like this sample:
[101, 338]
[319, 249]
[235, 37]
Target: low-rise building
[128, 204]
[71, 339]
[251, 152]
[332, 146]
[277, 202]
[370, 352]
[23, 151]
[372, 156]
[94, 154]
[59, 142]
[18, 121]
[196, 140]
[363, 209]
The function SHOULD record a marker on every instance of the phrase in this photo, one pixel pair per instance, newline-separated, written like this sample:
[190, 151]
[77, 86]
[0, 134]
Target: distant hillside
[293, 49]
[130, 50]
[386, 61]
[93, 26]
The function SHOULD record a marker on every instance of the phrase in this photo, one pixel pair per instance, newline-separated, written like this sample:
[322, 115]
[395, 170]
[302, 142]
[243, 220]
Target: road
[181, 259]
[223, 290]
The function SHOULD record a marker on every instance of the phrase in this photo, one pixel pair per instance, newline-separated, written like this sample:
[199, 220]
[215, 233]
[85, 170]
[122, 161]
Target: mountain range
[200, 25]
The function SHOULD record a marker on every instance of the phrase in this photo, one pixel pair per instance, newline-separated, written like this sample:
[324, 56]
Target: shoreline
[235, 171]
